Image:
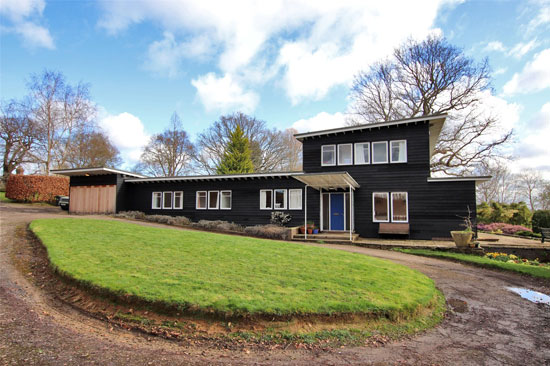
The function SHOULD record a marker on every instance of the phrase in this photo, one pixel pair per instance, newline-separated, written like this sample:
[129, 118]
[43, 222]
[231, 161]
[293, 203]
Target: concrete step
[327, 237]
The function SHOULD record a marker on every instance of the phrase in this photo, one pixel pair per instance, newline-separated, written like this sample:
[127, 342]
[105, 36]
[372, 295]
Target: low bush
[217, 225]
[500, 227]
[268, 231]
[133, 215]
[36, 188]
[528, 234]
[280, 218]
[161, 219]
[541, 218]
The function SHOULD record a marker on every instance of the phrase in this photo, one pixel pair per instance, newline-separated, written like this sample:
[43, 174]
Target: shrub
[133, 215]
[513, 213]
[217, 225]
[528, 234]
[161, 219]
[541, 218]
[501, 227]
[268, 231]
[280, 218]
[36, 188]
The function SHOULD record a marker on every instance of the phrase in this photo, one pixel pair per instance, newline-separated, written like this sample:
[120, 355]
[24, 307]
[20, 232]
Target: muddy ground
[486, 324]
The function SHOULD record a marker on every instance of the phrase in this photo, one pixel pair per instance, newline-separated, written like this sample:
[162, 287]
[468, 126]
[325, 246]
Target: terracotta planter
[462, 238]
[302, 230]
[310, 231]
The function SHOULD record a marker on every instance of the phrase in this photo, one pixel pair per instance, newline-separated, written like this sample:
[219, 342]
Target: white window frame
[285, 198]
[323, 151]
[372, 152]
[153, 207]
[406, 201]
[387, 204]
[197, 200]
[230, 200]
[164, 200]
[174, 200]
[391, 152]
[350, 151]
[217, 201]
[356, 155]
[290, 191]
[272, 203]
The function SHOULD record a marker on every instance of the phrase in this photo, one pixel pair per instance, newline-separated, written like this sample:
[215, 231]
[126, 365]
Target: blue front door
[336, 211]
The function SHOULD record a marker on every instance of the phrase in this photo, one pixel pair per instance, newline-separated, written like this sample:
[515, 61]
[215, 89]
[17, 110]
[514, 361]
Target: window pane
[399, 208]
[280, 198]
[201, 199]
[344, 154]
[398, 151]
[213, 199]
[157, 199]
[178, 199]
[329, 153]
[381, 207]
[295, 199]
[362, 153]
[167, 200]
[265, 199]
[379, 152]
[226, 200]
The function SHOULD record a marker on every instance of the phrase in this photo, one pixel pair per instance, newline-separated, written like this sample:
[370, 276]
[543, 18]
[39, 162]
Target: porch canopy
[329, 181]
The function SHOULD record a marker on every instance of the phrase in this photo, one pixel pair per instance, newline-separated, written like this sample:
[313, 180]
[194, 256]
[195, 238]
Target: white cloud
[321, 121]
[542, 19]
[127, 133]
[532, 150]
[313, 45]
[495, 46]
[224, 94]
[19, 12]
[500, 70]
[534, 77]
[521, 49]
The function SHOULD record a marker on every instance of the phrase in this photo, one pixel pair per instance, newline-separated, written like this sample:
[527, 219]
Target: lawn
[3, 197]
[535, 271]
[230, 275]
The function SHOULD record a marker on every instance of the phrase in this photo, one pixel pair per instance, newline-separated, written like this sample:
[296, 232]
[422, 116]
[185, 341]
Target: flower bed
[500, 227]
[511, 258]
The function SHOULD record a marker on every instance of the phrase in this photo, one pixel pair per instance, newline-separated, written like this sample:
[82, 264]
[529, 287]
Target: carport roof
[333, 180]
[94, 171]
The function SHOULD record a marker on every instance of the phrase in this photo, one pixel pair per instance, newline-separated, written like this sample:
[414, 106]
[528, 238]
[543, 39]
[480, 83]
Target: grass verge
[3, 198]
[228, 275]
[535, 271]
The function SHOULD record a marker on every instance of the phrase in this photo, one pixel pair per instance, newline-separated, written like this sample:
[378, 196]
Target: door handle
[336, 214]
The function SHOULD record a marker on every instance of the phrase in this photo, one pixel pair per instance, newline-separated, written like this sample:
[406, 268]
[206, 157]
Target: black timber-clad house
[354, 179]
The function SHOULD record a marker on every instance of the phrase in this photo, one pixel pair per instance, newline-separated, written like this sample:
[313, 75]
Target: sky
[289, 63]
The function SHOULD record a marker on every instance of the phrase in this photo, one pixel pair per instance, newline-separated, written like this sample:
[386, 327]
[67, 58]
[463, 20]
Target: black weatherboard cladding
[434, 208]
[245, 197]
[94, 180]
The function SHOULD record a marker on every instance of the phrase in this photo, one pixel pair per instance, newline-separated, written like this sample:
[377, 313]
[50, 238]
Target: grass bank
[535, 271]
[230, 275]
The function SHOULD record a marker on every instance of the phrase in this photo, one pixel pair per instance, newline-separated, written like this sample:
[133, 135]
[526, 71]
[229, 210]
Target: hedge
[36, 188]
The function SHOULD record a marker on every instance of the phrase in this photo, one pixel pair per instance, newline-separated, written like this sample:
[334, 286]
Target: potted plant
[302, 229]
[309, 229]
[310, 224]
[462, 238]
[315, 230]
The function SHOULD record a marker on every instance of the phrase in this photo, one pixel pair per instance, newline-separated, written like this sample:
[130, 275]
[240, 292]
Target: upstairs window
[380, 152]
[266, 199]
[295, 199]
[398, 151]
[328, 155]
[380, 207]
[213, 200]
[280, 199]
[225, 201]
[201, 200]
[362, 153]
[157, 200]
[345, 154]
[167, 200]
[178, 200]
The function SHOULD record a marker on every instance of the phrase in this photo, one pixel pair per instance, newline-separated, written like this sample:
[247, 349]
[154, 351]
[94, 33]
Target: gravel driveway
[486, 324]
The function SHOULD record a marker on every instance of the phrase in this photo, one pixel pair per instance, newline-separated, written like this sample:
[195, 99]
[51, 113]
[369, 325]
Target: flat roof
[333, 180]
[212, 177]
[93, 171]
[477, 179]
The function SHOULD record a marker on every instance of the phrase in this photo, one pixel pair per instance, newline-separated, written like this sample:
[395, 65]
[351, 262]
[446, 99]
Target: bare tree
[266, 145]
[168, 153]
[432, 77]
[544, 196]
[92, 149]
[502, 187]
[531, 183]
[18, 135]
[293, 151]
[60, 111]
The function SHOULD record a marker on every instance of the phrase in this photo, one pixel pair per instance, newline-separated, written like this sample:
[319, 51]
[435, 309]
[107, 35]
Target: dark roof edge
[213, 177]
[481, 178]
[84, 171]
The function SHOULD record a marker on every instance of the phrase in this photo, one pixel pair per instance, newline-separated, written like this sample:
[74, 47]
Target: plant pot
[302, 230]
[310, 231]
[315, 231]
[462, 238]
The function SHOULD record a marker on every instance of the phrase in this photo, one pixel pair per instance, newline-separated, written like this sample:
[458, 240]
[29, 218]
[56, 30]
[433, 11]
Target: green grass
[228, 274]
[3, 197]
[535, 271]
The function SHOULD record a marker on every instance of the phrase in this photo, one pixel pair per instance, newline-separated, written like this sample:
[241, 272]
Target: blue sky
[289, 63]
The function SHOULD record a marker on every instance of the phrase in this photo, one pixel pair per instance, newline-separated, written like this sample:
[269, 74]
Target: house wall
[434, 208]
[245, 208]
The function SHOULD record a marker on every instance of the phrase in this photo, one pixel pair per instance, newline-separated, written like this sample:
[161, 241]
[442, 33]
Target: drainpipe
[305, 214]
[350, 215]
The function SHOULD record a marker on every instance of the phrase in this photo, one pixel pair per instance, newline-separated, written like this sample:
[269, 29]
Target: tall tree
[92, 149]
[168, 153]
[544, 196]
[267, 146]
[433, 77]
[503, 185]
[18, 135]
[237, 158]
[293, 151]
[531, 183]
[60, 111]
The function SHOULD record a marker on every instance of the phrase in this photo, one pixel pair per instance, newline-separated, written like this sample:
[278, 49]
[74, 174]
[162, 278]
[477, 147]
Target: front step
[327, 237]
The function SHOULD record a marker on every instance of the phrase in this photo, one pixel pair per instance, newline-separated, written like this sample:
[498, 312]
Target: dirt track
[487, 324]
